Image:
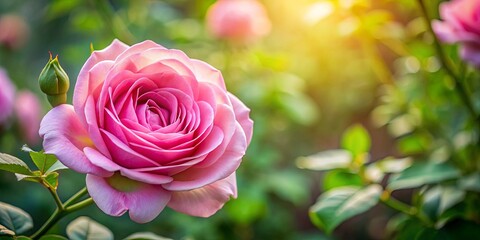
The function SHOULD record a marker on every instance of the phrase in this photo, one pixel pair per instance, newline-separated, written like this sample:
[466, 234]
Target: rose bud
[239, 21]
[461, 24]
[28, 114]
[54, 82]
[7, 94]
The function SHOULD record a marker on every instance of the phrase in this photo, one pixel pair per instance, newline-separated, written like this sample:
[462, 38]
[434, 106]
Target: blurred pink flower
[151, 128]
[461, 24]
[238, 20]
[28, 112]
[13, 31]
[7, 94]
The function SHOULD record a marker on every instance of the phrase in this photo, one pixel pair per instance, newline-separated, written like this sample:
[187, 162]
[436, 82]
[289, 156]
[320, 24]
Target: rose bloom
[461, 24]
[28, 112]
[238, 20]
[7, 95]
[151, 128]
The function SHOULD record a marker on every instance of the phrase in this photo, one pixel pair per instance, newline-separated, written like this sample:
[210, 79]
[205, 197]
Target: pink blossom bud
[239, 21]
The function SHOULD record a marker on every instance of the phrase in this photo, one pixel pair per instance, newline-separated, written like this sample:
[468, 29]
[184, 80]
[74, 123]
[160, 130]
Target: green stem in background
[461, 90]
[113, 21]
[63, 210]
[411, 211]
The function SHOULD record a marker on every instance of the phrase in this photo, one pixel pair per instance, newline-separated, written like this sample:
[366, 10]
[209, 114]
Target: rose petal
[144, 203]
[64, 135]
[205, 201]
[196, 177]
[242, 114]
[206, 73]
[85, 85]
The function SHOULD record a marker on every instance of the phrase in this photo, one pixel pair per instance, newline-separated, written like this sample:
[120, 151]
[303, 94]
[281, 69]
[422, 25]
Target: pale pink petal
[206, 73]
[147, 203]
[100, 160]
[242, 114]
[108, 199]
[85, 84]
[64, 135]
[205, 201]
[143, 203]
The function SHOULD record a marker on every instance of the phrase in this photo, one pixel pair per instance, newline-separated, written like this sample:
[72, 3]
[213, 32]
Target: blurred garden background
[318, 68]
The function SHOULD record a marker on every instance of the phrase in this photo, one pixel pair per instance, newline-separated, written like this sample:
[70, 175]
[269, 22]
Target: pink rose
[238, 20]
[461, 24]
[151, 128]
[28, 111]
[7, 94]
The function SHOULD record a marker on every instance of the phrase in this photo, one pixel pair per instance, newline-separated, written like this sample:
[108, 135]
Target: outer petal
[206, 73]
[143, 204]
[471, 53]
[64, 135]
[242, 114]
[85, 84]
[205, 201]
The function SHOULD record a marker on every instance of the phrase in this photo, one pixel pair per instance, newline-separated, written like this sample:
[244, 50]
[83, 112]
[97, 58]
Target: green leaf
[422, 173]
[145, 236]
[12, 164]
[326, 160]
[52, 179]
[53, 237]
[438, 199]
[14, 218]
[56, 166]
[377, 170]
[340, 204]
[84, 228]
[43, 160]
[23, 238]
[356, 140]
[394, 165]
[470, 182]
[340, 178]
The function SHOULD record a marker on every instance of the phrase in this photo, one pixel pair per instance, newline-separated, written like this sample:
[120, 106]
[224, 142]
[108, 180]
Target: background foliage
[326, 66]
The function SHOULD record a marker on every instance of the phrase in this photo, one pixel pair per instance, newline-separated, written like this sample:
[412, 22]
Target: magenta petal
[64, 136]
[145, 177]
[227, 163]
[143, 203]
[205, 201]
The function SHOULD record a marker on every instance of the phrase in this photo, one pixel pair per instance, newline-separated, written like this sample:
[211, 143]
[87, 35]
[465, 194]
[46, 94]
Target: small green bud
[54, 82]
